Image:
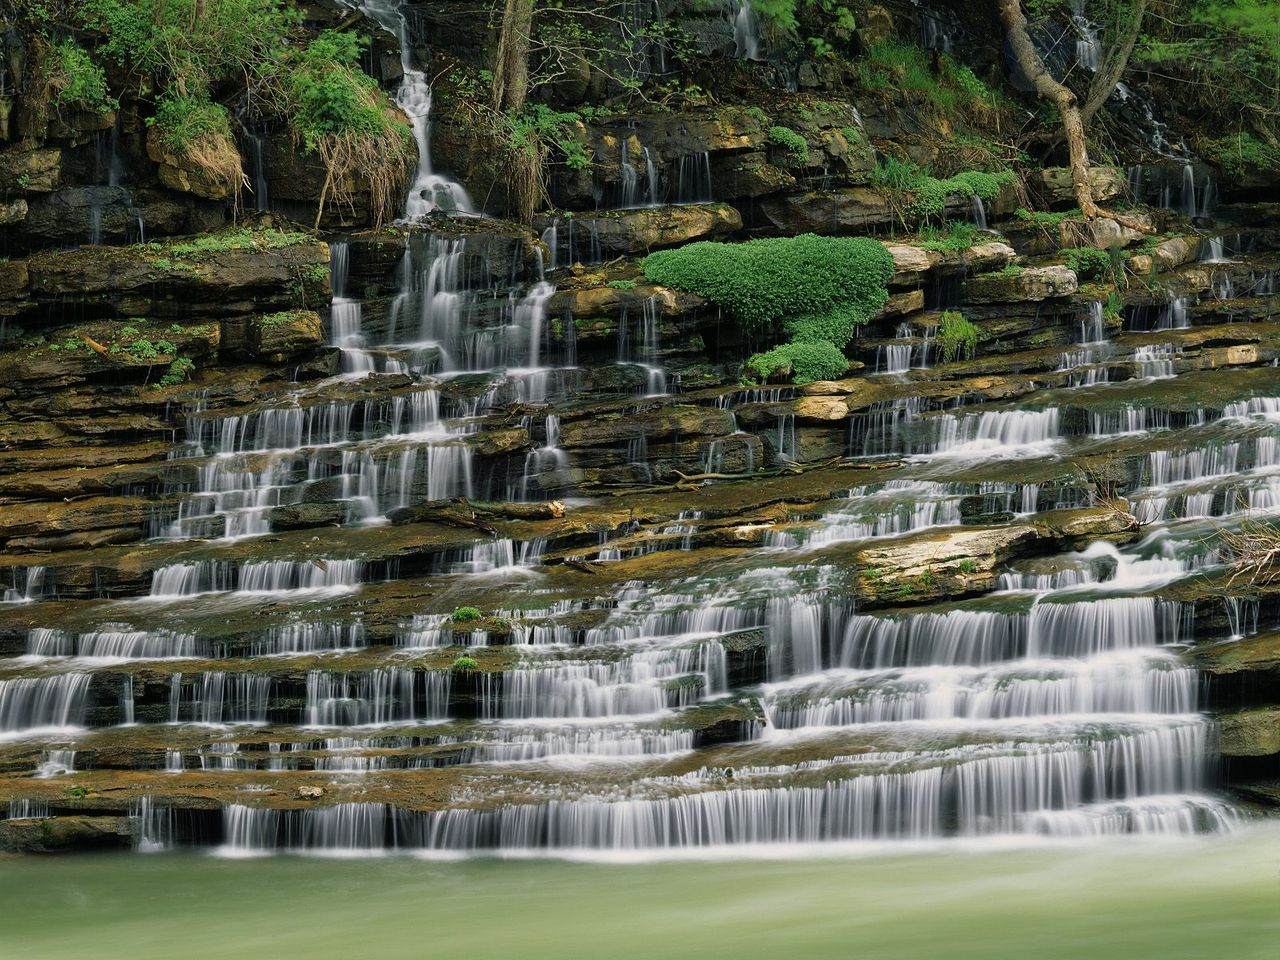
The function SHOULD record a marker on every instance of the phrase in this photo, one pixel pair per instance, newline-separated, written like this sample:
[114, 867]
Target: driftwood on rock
[1073, 119]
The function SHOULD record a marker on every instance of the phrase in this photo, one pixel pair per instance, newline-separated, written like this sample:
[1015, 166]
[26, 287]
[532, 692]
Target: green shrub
[466, 615]
[76, 80]
[959, 235]
[465, 663]
[807, 361]
[957, 337]
[788, 140]
[926, 195]
[1089, 263]
[1243, 151]
[814, 287]
[179, 371]
[622, 284]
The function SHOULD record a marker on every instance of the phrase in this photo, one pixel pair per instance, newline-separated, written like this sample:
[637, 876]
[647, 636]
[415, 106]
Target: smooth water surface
[1217, 899]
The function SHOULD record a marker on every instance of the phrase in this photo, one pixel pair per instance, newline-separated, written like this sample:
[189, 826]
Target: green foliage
[621, 284]
[1112, 308]
[1089, 263]
[958, 235]
[783, 16]
[808, 362]
[815, 287]
[539, 124]
[1223, 59]
[465, 663]
[466, 615]
[180, 370]
[895, 65]
[192, 46]
[926, 195]
[792, 143]
[184, 122]
[331, 97]
[78, 81]
[1241, 152]
[957, 337]
[1043, 218]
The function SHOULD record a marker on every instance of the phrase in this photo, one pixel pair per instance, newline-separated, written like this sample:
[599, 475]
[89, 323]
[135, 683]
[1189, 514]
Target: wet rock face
[1025, 286]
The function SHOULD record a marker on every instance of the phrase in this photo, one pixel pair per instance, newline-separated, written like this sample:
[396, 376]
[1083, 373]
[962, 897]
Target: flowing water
[1180, 902]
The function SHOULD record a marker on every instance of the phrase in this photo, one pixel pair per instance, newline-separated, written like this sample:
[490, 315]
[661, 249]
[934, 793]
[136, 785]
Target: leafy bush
[957, 337]
[788, 140]
[926, 195]
[466, 615]
[808, 361]
[179, 371]
[896, 65]
[1241, 152]
[1089, 263]
[959, 235]
[76, 80]
[816, 288]
[466, 663]
[339, 112]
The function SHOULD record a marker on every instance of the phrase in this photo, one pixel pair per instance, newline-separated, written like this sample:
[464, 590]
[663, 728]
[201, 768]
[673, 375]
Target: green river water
[1173, 900]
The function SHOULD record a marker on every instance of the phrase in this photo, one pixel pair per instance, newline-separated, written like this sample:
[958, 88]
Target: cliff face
[354, 525]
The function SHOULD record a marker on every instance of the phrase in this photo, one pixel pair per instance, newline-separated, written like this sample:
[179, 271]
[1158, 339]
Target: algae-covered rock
[1058, 188]
[55, 834]
[1030, 285]
[275, 337]
[1250, 733]
[32, 170]
[652, 228]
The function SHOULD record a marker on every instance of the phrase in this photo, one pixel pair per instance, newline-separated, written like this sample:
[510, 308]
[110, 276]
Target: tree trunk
[511, 70]
[1105, 80]
[1015, 24]
[510, 91]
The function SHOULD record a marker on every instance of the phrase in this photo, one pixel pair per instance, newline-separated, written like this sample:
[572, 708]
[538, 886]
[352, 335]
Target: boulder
[1250, 733]
[31, 170]
[275, 337]
[639, 231]
[177, 172]
[54, 834]
[1058, 189]
[12, 211]
[1167, 255]
[1030, 285]
[663, 423]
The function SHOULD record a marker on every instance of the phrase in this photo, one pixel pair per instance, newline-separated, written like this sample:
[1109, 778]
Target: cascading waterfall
[43, 703]
[429, 191]
[746, 29]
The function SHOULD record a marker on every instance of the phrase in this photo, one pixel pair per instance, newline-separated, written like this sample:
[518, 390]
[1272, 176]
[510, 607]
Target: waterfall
[1088, 44]
[1189, 206]
[217, 698]
[375, 698]
[119, 643]
[345, 315]
[28, 584]
[979, 213]
[1000, 433]
[693, 178]
[43, 703]
[640, 347]
[746, 29]
[1092, 324]
[430, 191]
